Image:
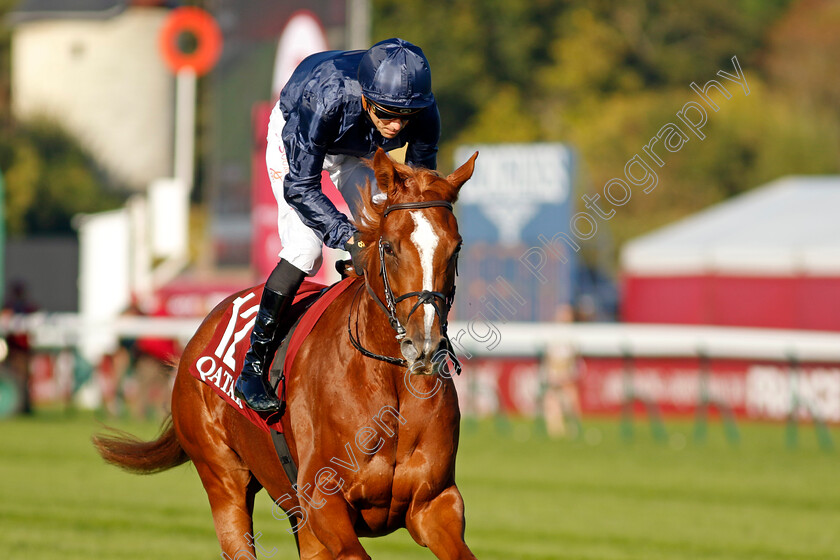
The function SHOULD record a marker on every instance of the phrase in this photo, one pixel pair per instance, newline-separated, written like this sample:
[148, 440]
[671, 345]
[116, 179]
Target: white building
[94, 67]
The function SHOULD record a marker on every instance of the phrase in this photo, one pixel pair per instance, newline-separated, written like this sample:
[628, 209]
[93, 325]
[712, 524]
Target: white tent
[788, 227]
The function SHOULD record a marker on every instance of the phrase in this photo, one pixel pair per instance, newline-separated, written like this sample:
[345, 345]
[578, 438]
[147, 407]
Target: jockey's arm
[306, 148]
[302, 190]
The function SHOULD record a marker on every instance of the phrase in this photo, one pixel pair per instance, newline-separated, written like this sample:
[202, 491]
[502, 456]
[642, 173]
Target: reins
[358, 345]
[424, 297]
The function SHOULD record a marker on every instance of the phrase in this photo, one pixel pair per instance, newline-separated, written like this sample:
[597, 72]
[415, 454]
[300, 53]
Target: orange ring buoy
[207, 35]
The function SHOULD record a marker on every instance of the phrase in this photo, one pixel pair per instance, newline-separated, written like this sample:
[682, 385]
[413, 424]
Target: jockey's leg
[280, 289]
[300, 256]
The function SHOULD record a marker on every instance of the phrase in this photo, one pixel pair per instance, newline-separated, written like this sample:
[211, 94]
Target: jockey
[337, 107]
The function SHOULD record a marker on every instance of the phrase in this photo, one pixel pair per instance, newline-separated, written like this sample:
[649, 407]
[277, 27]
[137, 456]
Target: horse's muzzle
[422, 360]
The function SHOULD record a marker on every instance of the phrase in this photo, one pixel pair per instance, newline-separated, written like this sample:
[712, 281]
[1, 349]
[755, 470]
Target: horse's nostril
[442, 346]
[409, 350]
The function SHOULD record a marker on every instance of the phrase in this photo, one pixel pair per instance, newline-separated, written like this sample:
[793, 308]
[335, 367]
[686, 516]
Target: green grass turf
[526, 497]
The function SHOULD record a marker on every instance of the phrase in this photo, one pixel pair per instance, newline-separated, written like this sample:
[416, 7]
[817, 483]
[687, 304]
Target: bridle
[441, 302]
[424, 296]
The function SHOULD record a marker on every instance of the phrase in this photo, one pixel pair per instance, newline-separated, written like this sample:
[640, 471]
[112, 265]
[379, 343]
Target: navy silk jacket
[322, 106]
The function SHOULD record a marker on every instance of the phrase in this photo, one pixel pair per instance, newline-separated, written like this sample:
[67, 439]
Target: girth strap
[285, 455]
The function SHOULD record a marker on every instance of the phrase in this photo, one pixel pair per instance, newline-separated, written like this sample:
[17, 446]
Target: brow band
[413, 205]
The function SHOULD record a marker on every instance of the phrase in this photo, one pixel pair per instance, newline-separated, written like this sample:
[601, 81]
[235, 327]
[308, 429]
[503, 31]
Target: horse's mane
[413, 184]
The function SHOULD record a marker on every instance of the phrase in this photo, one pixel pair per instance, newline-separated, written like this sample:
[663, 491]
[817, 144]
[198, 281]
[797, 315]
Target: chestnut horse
[374, 434]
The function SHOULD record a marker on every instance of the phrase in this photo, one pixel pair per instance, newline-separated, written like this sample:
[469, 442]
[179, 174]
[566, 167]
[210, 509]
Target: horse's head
[412, 249]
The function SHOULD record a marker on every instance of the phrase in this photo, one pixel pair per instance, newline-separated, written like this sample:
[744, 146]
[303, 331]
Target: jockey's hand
[354, 246]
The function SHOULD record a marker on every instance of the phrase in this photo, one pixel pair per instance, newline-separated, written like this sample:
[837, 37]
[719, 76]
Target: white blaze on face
[426, 241]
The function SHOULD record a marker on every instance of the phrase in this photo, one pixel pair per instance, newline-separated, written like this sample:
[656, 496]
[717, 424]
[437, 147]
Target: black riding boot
[253, 386]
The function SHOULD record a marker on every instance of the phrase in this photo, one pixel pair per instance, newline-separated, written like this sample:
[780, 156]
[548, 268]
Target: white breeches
[302, 246]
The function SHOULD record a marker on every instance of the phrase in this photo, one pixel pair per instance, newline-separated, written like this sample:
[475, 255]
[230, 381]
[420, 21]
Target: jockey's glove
[355, 250]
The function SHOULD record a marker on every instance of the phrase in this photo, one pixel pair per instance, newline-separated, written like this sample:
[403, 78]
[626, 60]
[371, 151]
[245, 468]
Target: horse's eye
[387, 249]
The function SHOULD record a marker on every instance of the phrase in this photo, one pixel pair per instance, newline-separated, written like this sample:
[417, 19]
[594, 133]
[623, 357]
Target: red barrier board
[757, 390]
[750, 389]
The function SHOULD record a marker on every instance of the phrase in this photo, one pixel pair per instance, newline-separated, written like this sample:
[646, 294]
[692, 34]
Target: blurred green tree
[804, 47]
[475, 48]
[49, 179]
[750, 141]
[605, 76]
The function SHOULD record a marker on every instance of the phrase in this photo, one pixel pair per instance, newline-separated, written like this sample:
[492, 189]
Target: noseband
[440, 301]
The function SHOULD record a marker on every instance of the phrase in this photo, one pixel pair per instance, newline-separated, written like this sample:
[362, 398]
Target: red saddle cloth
[220, 364]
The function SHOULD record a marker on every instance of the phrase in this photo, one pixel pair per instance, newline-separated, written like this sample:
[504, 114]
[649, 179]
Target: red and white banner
[750, 389]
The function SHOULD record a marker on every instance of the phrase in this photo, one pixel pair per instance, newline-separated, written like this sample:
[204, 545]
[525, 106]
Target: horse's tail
[142, 457]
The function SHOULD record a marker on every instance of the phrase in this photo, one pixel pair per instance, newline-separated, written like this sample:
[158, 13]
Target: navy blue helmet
[395, 74]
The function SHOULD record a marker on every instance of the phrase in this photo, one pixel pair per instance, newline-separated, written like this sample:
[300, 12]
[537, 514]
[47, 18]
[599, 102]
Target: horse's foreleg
[439, 525]
[309, 547]
[332, 526]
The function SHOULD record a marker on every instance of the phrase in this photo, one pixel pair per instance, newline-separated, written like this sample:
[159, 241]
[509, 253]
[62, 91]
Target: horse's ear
[463, 173]
[385, 172]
